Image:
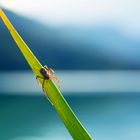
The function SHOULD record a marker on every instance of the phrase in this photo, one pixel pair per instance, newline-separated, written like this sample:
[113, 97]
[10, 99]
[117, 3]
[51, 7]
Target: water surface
[106, 117]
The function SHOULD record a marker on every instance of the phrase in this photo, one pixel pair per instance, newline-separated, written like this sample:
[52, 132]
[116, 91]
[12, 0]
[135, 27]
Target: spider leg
[57, 79]
[49, 70]
[37, 79]
[52, 71]
[45, 67]
[45, 94]
[43, 84]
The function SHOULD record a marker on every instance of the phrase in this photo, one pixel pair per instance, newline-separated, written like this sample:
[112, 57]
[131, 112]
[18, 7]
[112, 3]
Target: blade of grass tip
[75, 128]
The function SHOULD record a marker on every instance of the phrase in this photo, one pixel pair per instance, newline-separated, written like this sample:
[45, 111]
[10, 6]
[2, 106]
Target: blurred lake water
[109, 117]
[109, 109]
[79, 82]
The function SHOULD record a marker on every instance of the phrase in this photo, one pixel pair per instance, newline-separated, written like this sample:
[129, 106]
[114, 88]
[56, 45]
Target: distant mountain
[98, 48]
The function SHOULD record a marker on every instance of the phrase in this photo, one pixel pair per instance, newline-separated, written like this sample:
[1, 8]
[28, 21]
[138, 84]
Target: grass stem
[75, 128]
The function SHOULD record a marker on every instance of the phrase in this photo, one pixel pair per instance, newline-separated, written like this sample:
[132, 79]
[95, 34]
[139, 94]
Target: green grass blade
[75, 128]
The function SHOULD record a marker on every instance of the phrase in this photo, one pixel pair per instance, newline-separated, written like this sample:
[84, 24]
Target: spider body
[47, 74]
[44, 72]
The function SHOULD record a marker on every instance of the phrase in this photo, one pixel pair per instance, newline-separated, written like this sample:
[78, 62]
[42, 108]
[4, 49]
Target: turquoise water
[106, 117]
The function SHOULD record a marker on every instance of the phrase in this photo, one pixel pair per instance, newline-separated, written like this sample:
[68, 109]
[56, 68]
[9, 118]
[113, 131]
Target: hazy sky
[122, 13]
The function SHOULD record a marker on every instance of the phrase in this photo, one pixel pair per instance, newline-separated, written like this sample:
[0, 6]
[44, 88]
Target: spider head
[43, 71]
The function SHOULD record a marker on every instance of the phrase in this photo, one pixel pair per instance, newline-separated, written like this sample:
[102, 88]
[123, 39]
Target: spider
[47, 74]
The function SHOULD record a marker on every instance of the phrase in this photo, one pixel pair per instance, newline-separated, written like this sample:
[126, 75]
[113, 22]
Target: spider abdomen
[44, 73]
[46, 76]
